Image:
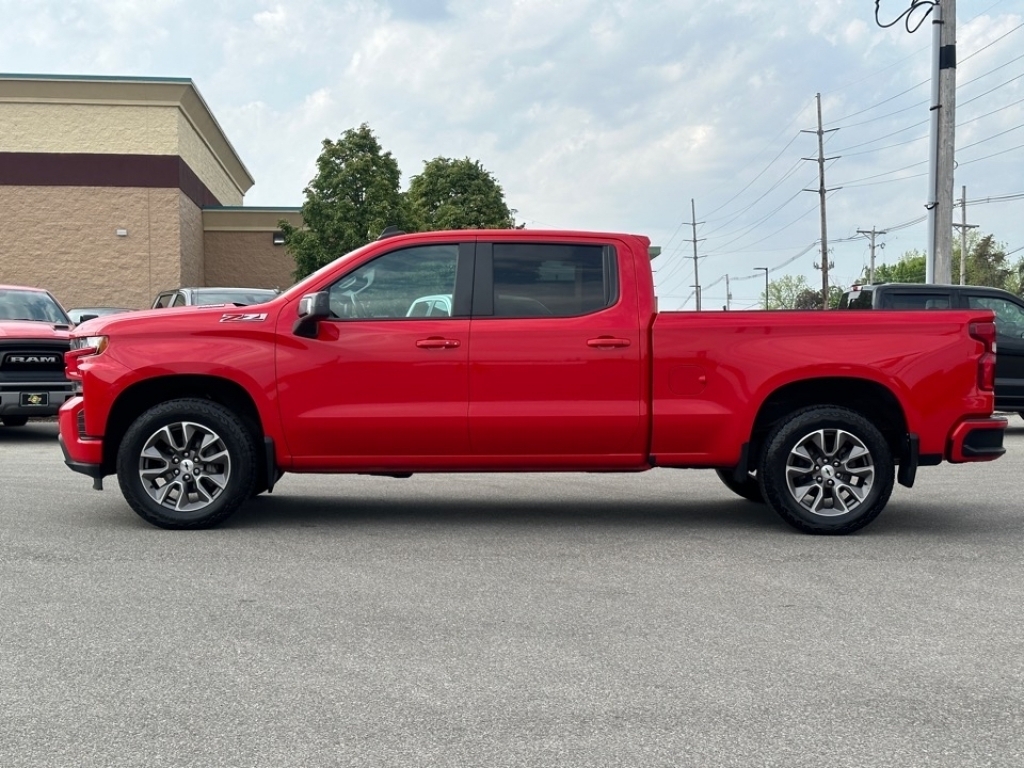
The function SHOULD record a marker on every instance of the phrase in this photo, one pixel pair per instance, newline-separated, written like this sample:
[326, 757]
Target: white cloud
[591, 113]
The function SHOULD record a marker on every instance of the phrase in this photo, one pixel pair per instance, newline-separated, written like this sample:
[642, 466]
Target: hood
[168, 320]
[32, 329]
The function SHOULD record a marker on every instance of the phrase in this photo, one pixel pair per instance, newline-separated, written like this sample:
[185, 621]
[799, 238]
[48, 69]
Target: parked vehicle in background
[34, 332]
[1009, 318]
[79, 315]
[187, 297]
[553, 357]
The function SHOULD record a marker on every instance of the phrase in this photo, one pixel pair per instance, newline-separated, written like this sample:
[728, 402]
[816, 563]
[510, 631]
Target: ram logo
[32, 359]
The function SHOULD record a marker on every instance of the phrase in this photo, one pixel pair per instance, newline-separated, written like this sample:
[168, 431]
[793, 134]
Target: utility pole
[821, 190]
[765, 269]
[728, 295]
[871, 234]
[694, 223]
[963, 226]
[943, 133]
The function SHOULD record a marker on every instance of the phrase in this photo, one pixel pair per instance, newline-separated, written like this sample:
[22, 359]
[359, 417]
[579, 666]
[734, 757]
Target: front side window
[550, 280]
[411, 283]
[1009, 316]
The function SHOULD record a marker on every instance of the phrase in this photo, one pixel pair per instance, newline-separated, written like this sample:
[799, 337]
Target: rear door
[1010, 346]
[555, 366]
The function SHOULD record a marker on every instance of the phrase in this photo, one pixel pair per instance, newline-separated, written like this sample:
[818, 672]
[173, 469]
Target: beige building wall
[247, 260]
[240, 249]
[88, 128]
[190, 237]
[65, 239]
[121, 117]
[169, 159]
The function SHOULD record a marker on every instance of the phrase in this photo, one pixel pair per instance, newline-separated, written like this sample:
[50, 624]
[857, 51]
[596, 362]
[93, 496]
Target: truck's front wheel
[827, 470]
[186, 463]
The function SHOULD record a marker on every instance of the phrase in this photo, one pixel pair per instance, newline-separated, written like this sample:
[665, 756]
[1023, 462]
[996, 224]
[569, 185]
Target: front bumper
[82, 454]
[977, 440]
[33, 399]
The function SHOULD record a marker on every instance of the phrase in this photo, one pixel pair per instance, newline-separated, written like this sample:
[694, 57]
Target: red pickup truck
[516, 350]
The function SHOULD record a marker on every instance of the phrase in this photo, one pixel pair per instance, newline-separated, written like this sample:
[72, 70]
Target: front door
[1009, 348]
[380, 388]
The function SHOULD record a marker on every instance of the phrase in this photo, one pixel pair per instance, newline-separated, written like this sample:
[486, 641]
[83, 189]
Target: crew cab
[552, 357]
[34, 331]
[1009, 319]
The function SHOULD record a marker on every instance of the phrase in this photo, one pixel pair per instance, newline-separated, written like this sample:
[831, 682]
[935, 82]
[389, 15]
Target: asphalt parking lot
[509, 620]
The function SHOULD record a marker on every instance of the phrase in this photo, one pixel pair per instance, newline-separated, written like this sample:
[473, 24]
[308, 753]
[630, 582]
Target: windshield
[17, 304]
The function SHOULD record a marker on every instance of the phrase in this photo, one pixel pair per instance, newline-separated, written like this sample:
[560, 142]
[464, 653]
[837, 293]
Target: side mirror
[87, 317]
[313, 307]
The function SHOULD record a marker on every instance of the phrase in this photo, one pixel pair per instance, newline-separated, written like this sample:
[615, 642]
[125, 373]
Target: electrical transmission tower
[963, 226]
[822, 191]
[871, 233]
[694, 223]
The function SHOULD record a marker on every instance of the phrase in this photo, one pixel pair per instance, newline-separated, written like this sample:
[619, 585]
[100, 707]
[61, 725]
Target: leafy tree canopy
[351, 199]
[355, 195]
[458, 194]
[986, 264]
[794, 292]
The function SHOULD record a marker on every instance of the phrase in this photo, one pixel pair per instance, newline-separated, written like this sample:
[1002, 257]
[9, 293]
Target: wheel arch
[877, 403]
[142, 396]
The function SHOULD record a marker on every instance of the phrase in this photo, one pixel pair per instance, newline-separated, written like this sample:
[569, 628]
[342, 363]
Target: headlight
[90, 345]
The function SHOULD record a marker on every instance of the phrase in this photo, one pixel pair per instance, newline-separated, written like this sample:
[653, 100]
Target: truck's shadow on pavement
[288, 511]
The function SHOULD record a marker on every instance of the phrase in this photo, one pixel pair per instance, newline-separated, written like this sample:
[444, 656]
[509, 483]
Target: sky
[608, 115]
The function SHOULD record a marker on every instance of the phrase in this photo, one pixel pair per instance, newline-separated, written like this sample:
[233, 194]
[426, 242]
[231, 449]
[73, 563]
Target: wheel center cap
[828, 472]
[187, 465]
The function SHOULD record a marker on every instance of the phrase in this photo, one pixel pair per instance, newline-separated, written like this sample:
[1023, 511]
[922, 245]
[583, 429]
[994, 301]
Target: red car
[34, 331]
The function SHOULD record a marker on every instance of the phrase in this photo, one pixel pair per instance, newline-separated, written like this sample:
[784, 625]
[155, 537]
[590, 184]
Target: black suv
[1009, 310]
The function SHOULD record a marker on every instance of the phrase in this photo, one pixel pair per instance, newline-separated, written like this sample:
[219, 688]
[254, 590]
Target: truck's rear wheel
[186, 463]
[748, 489]
[827, 470]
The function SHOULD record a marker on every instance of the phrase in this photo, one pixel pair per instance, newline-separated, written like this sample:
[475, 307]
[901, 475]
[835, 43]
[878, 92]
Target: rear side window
[916, 300]
[552, 280]
[856, 300]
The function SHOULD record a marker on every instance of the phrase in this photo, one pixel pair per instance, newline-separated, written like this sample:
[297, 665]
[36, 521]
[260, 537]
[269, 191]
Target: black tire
[749, 489]
[199, 439]
[14, 421]
[831, 497]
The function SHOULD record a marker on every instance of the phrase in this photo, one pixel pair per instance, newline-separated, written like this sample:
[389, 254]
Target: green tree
[458, 194]
[986, 263]
[351, 199]
[909, 269]
[794, 292]
[783, 291]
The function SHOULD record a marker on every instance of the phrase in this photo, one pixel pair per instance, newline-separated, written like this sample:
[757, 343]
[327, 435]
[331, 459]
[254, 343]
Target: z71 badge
[244, 317]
